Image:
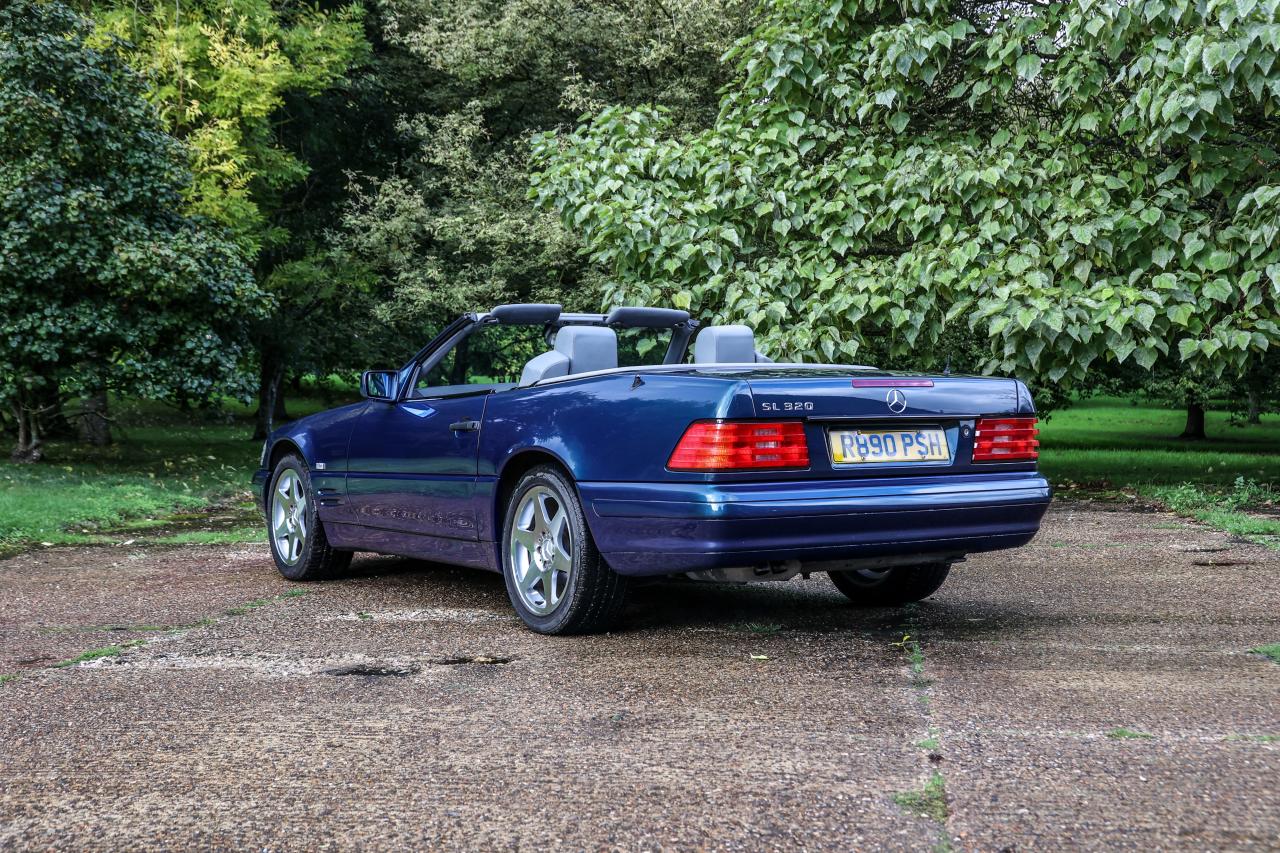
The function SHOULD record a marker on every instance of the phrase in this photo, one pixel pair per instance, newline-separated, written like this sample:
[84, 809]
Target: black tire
[893, 587]
[592, 597]
[314, 559]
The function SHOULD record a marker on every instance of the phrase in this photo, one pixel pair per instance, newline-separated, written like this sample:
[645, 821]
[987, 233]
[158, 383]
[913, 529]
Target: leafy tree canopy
[453, 227]
[1082, 183]
[255, 89]
[103, 282]
[219, 73]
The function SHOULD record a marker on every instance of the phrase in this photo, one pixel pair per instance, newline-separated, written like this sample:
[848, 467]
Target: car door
[412, 462]
[412, 465]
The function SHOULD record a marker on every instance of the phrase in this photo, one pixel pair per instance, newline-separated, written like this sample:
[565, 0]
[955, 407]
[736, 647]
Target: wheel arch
[516, 466]
[281, 448]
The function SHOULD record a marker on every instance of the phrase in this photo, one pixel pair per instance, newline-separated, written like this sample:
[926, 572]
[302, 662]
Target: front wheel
[556, 579]
[891, 587]
[298, 545]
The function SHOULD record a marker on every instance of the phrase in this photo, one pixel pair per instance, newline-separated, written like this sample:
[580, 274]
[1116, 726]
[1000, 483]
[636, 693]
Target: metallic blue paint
[408, 470]
[398, 478]
[652, 529]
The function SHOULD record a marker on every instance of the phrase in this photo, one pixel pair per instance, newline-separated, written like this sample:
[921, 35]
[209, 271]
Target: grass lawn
[166, 468]
[1113, 448]
[1107, 443]
[163, 463]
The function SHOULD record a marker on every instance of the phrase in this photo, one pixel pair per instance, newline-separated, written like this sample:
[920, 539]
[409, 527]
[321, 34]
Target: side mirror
[378, 384]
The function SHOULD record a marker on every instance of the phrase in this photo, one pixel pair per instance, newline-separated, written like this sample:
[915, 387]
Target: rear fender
[620, 427]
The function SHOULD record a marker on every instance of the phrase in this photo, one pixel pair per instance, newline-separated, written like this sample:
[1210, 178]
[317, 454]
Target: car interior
[511, 353]
[582, 349]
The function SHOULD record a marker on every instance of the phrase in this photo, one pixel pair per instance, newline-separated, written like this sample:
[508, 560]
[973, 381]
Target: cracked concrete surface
[404, 706]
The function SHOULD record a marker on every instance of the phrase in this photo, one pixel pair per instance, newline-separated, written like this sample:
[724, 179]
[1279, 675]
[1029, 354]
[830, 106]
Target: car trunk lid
[851, 413]
[838, 394]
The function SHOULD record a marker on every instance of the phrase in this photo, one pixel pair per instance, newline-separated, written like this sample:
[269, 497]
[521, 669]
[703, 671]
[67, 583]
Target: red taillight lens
[740, 445]
[1005, 440]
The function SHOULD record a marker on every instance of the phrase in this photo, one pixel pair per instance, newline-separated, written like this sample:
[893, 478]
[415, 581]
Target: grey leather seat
[579, 349]
[726, 345]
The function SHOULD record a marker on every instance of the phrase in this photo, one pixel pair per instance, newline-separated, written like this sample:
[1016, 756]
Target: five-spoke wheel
[541, 550]
[299, 546]
[556, 579]
[289, 516]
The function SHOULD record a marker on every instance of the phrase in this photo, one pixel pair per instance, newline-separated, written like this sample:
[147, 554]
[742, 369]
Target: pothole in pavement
[373, 671]
[462, 660]
[376, 670]
[279, 665]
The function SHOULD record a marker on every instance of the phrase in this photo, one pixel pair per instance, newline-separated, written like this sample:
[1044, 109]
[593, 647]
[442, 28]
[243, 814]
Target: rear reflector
[740, 446]
[1005, 440]
[892, 382]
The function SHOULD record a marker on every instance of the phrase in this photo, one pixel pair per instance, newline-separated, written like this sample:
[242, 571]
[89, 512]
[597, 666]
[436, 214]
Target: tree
[453, 228]
[237, 81]
[104, 283]
[1082, 183]
[1259, 390]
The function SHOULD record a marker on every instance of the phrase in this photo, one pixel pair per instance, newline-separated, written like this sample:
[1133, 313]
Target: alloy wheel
[541, 550]
[289, 517]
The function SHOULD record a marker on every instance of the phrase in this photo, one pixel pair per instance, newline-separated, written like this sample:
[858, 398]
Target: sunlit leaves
[218, 72]
[1080, 183]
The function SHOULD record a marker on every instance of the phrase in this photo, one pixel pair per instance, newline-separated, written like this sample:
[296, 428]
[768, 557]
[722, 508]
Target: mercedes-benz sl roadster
[575, 453]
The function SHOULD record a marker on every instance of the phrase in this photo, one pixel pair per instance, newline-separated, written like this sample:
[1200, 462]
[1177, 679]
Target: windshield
[493, 356]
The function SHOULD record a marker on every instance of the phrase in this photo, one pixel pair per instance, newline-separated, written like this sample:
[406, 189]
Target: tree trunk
[461, 360]
[279, 414]
[53, 421]
[30, 446]
[95, 428]
[1195, 422]
[1255, 407]
[270, 395]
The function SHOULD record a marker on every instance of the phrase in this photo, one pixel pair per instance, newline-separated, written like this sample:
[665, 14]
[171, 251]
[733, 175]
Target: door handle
[464, 426]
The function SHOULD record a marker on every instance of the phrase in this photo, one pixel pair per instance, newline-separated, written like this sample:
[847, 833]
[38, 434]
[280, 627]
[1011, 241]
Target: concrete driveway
[1094, 689]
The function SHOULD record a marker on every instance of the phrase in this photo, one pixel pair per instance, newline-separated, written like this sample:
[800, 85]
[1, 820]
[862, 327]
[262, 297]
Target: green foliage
[929, 802]
[1244, 494]
[260, 92]
[151, 474]
[102, 282]
[1082, 183]
[219, 74]
[1271, 651]
[453, 227]
[1108, 444]
[1247, 509]
[166, 462]
[1128, 734]
[112, 651]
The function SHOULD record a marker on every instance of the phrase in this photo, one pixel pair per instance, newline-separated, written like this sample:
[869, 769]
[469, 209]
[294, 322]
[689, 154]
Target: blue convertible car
[577, 452]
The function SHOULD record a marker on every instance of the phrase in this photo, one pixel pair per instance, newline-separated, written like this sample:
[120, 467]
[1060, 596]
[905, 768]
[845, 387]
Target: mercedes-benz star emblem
[897, 401]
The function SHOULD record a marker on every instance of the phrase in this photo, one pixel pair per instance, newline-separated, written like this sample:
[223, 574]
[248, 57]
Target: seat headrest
[588, 348]
[725, 345]
[546, 366]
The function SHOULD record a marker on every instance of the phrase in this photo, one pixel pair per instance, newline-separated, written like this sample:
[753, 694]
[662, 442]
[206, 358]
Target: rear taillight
[740, 445]
[1005, 440]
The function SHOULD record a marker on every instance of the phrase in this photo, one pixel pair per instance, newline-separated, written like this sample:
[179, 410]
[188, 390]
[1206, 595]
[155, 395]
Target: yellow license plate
[854, 446]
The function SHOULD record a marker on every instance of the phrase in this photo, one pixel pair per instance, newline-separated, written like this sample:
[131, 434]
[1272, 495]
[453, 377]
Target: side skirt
[460, 552]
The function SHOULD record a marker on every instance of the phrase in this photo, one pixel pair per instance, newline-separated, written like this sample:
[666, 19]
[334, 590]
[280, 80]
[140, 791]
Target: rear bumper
[661, 528]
